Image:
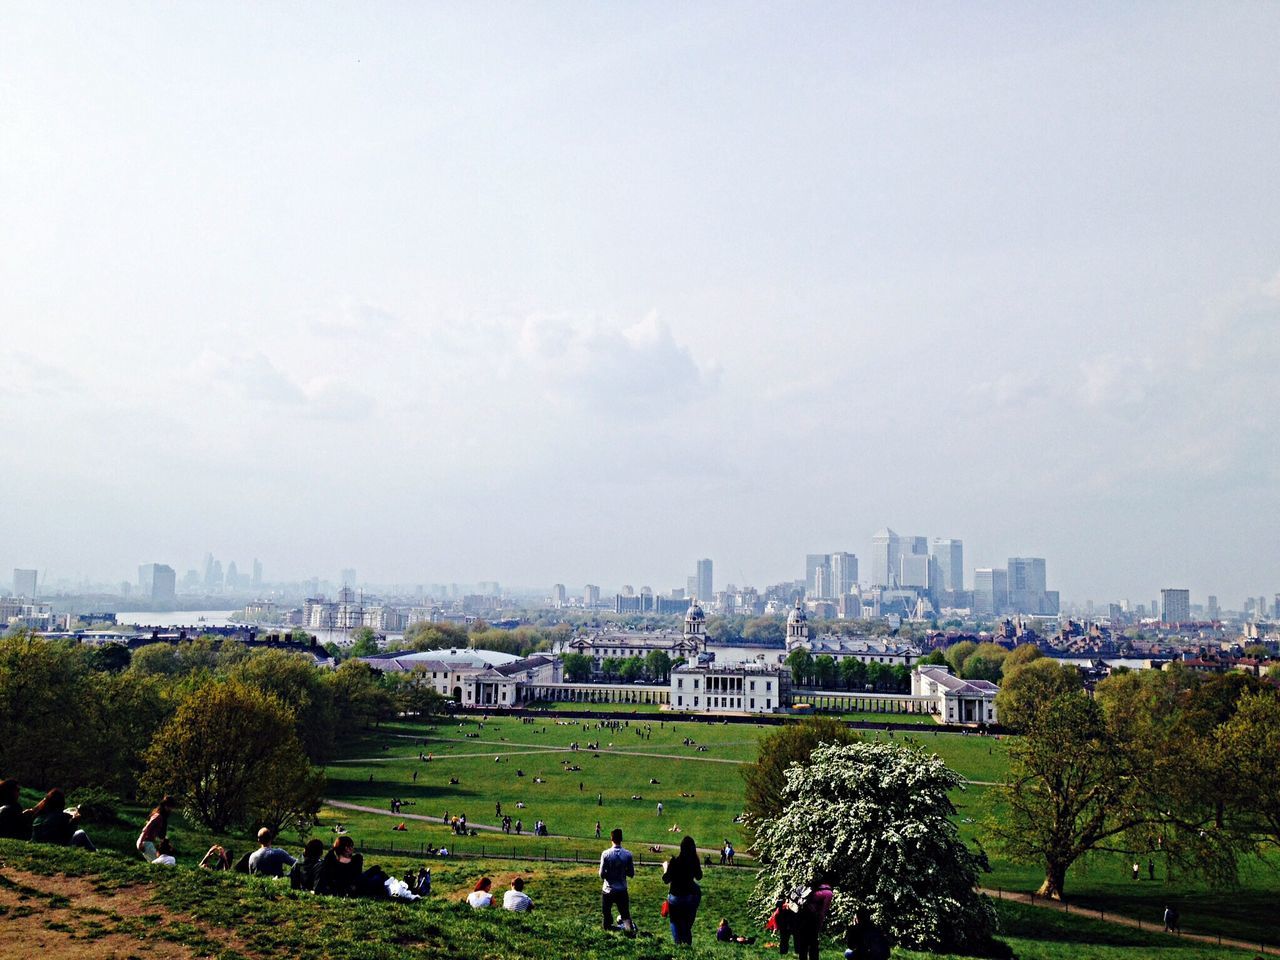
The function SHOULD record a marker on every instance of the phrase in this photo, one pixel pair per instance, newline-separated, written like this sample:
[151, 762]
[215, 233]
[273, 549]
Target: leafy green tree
[293, 678]
[958, 653]
[800, 662]
[293, 797]
[1029, 688]
[299, 635]
[789, 745]
[228, 751]
[765, 630]
[578, 667]
[1019, 655]
[109, 658]
[657, 664]
[631, 669]
[934, 658]
[876, 822]
[879, 675]
[156, 659]
[610, 667]
[853, 673]
[1249, 744]
[416, 696]
[824, 671]
[360, 697]
[901, 677]
[365, 643]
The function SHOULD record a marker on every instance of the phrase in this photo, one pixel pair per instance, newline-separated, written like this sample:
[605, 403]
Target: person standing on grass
[809, 919]
[156, 828]
[682, 873]
[616, 866]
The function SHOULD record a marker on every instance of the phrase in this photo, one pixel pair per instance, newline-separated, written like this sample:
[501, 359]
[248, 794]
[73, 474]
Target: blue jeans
[681, 911]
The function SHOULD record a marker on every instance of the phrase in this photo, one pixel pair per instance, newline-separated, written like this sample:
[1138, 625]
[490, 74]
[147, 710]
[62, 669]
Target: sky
[565, 292]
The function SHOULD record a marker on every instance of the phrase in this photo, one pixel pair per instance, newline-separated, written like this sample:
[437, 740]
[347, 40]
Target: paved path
[533, 748]
[1124, 921]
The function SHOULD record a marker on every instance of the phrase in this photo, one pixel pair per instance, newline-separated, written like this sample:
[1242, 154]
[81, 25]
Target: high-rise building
[1027, 585]
[990, 591]
[822, 581]
[884, 559]
[813, 562]
[349, 577]
[25, 583]
[844, 573]
[914, 571]
[1214, 610]
[948, 563]
[1175, 606]
[233, 576]
[591, 596]
[256, 582]
[157, 581]
[705, 584]
[557, 595]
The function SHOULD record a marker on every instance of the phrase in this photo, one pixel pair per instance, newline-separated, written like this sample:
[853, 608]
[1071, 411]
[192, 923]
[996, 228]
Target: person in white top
[481, 896]
[164, 854]
[515, 899]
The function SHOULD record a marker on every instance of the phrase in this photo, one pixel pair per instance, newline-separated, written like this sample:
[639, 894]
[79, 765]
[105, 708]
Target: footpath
[1123, 921]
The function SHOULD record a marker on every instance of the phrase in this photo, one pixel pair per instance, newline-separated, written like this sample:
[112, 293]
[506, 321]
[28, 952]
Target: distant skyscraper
[844, 573]
[257, 573]
[705, 584]
[914, 571]
[1027, 585]
[884, 559]
[157, 581]
[25, 583]
[590, 596]
[1213, 607]
[948, 561]
[822, 581]
[557, 595]
[1175, 606]
[813, 562]
[990, 591]
[233, 576]
[349, 577]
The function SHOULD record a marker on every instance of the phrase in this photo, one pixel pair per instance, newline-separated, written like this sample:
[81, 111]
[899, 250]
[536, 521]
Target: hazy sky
[577, 292]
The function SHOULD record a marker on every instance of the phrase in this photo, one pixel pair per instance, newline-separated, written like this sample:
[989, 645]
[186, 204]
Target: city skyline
[569, 294]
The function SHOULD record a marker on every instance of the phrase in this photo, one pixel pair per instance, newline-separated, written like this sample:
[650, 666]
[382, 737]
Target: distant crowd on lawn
[340, 871]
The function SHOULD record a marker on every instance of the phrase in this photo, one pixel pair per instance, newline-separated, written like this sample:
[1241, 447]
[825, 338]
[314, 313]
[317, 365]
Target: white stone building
[957, 700]
[708, 687]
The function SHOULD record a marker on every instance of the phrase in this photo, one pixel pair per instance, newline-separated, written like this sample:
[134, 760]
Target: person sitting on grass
[725, 934]
[15, 823]
[156, 828]
[165, 854]
[481, 896]
[268, 860]
[216, 859]
[306, 872]
[515, 899]
[52, 822]
[342, 873]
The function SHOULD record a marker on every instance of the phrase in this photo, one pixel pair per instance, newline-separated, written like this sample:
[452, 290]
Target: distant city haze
[565, 293]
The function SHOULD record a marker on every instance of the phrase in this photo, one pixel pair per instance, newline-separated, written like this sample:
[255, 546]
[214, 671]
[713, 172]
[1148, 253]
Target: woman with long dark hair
[156, 829]
[52, 822]
[682, 872]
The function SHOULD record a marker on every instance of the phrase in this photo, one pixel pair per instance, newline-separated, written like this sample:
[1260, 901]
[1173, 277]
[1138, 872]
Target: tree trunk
[1054, 880]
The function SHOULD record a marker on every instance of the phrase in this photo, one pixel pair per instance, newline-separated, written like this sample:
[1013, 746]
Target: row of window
[768, 684]
[729, 703]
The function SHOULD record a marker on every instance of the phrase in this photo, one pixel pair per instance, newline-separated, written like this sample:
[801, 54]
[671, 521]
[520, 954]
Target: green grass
[231, 917]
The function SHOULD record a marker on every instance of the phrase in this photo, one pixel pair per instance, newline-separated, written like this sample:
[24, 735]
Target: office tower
[705, 584]
[25, 583]
[1114, 614]
[1175, 606]
[813, 562]
[349, 577]
[914, 571]
[233, 576]
[948, 557]
[1275, 608]
[844, 573]
[990, 591]
[257, 573]
[628, 590]
[157, 581]
[557, 595]
[590, 596]
[1213, 606]
[1027, 585]
[884, 559]
[822, 581]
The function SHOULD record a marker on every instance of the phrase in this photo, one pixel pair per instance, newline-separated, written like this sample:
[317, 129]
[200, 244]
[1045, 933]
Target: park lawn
[234, 917]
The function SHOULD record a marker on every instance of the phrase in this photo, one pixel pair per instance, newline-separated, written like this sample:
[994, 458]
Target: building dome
[797, 614]
[694, 613]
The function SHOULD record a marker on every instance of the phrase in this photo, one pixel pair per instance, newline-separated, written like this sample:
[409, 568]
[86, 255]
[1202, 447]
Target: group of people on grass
[49, 821]
[515, 899]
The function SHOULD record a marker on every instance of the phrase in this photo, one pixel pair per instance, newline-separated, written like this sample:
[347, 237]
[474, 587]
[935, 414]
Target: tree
[610, 667]
[1032, 686]
[1019, 655]
[228, 751]
[824, 671]
[366, 643]
[578, 667]
[1249, 743]
[299, 685]
[416, 696]
[934, 658]
[875, 821]
[657, 663]
[800, 661]
[791, 744]
[359, 696]
[853, 673]
[631, 669]
[958, 653]
[156, 659]
[765, 630]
